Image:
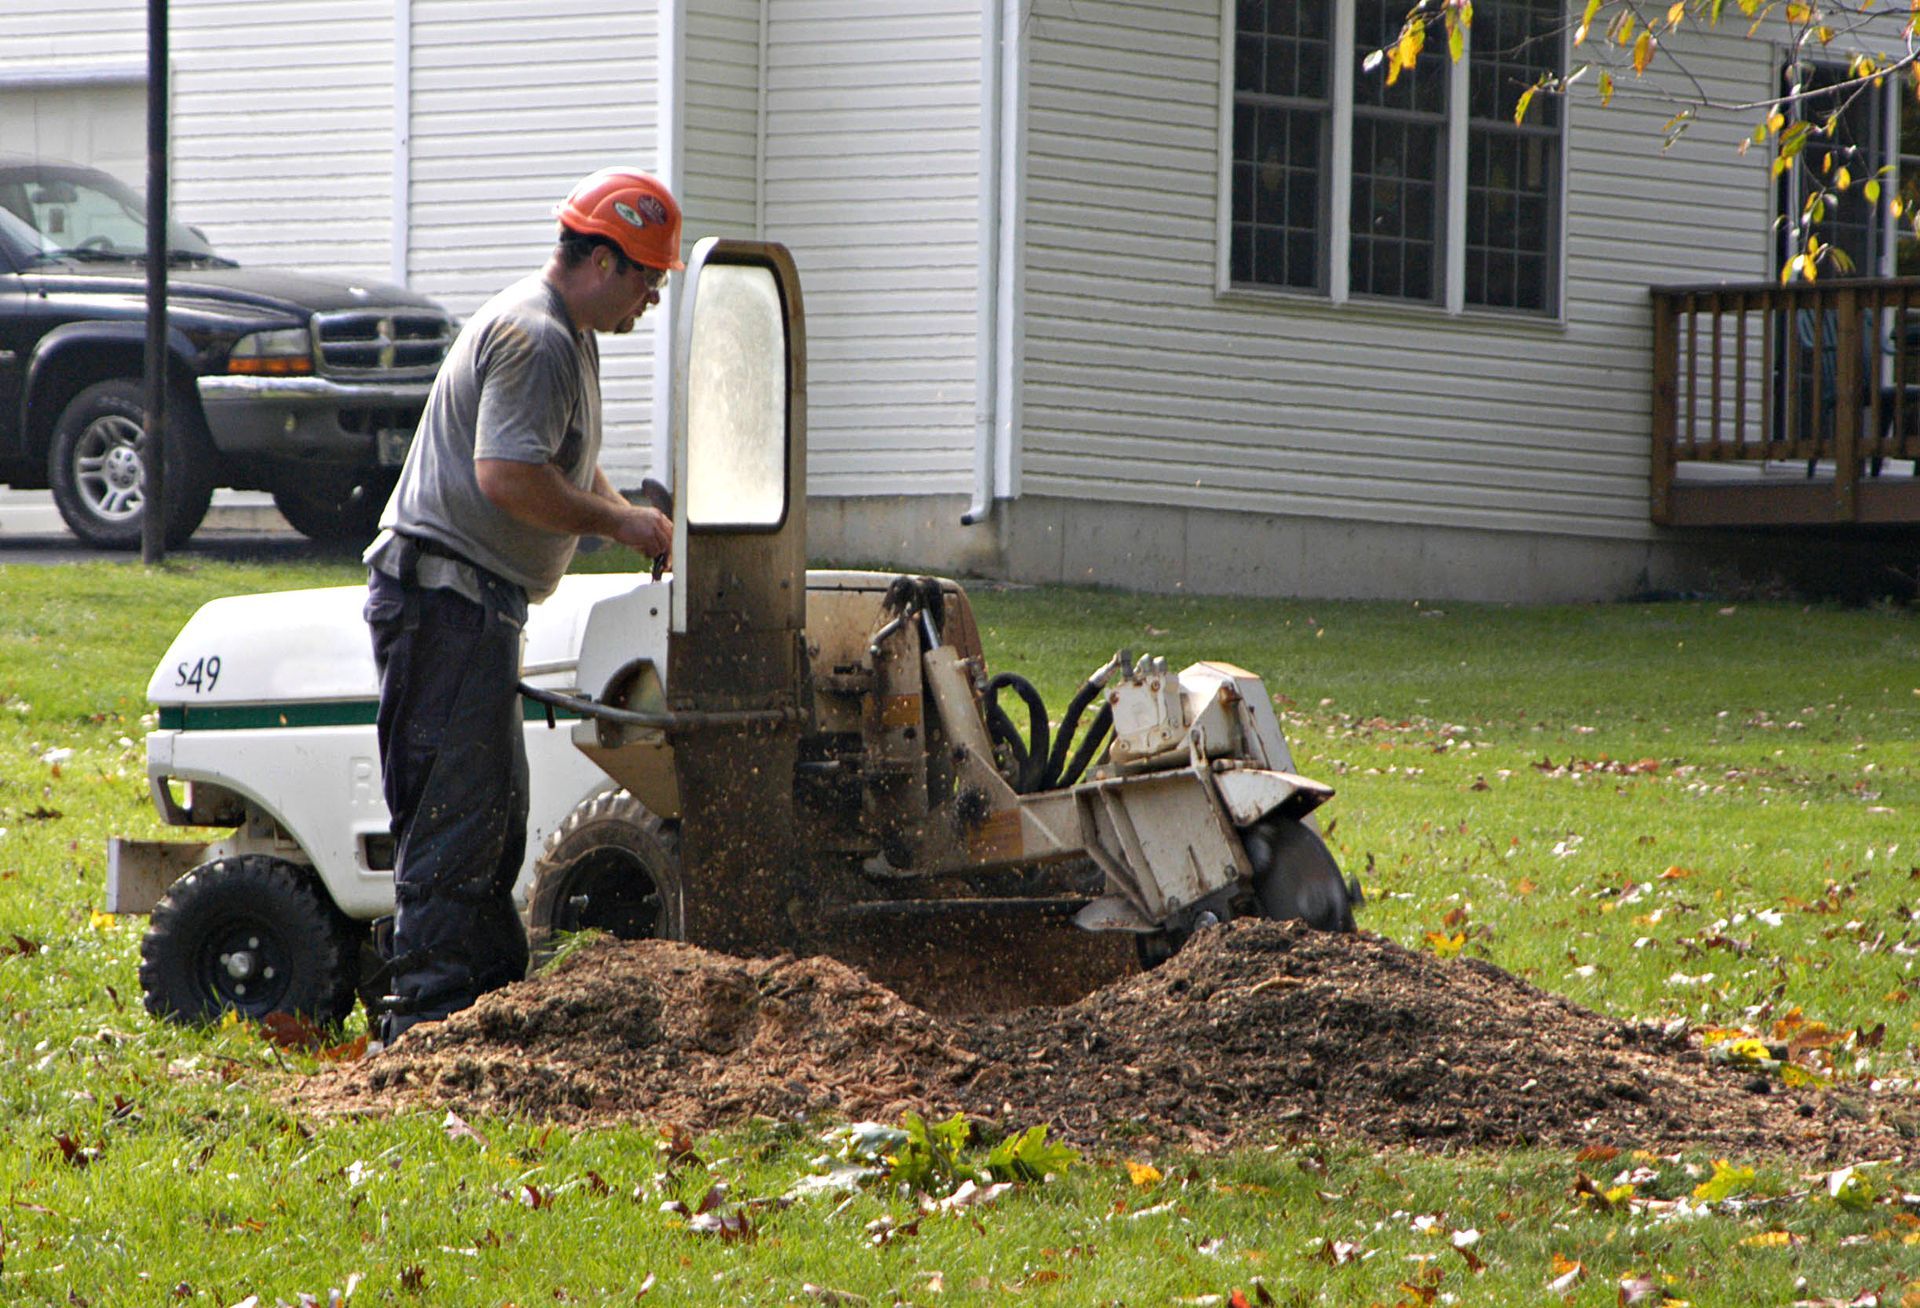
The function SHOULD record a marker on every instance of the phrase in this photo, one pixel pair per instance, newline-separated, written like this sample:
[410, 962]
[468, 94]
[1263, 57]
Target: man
[501, 482]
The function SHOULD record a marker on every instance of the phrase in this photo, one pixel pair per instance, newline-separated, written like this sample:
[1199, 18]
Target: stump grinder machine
[739, 753]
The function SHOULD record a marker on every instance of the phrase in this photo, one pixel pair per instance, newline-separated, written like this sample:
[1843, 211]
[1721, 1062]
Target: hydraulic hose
[1001, 730]
[1052, 776]
[1032, 764]
[1089, 744]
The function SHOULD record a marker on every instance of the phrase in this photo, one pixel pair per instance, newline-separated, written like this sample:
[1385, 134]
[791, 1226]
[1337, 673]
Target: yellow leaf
[1872, 190]
[1606, 89]
[1776, 120]
[1642, 53]
[1769, 1240]
[1144, 1175]
[1844, 178]
[1726, 1182]
[1444, 945]
[1676, 13]
[1749, 1051]
[1619, 1195]
[100, 921]
[1586, 21]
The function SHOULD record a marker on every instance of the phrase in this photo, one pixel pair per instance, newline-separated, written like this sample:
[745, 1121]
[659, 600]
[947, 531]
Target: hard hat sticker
[651, 208]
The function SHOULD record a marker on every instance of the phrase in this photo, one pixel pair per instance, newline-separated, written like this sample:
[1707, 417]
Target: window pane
[1423, 88]
[1513, 172]
[1396, 212]
[1280, 131]
[1857, 142]
[1511, 241]
[1515, 43]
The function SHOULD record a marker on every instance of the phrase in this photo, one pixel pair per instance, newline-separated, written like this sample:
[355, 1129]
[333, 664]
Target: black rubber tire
[611, 866]
[338, 512]
[1295, 877]
[97, 479]
[295, 948]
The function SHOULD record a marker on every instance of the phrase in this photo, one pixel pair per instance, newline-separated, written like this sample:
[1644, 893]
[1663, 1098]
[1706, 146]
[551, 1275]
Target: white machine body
[267, 706]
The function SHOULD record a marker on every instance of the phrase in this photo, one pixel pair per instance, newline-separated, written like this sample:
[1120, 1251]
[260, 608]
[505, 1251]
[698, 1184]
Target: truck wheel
[335, 514]
[1295, 876]
[99, 478]
[251, 934]
[611, 866]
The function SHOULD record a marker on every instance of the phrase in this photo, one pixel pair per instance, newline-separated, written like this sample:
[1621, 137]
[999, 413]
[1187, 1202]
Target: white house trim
[117, 72]
[672, 110]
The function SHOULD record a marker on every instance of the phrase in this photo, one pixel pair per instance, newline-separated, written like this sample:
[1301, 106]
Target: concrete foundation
[1045, 540]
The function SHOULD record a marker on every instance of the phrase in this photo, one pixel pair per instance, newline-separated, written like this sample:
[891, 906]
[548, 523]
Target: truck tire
[1295, 877]
[96, 473]
[610, 866]
[335, 513]
[251, 934]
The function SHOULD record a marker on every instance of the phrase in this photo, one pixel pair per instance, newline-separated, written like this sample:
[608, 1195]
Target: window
[1425, 191]
[1850, 129]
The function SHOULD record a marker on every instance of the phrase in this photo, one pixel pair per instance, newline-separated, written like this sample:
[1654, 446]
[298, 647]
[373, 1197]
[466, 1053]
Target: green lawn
[1681, 810]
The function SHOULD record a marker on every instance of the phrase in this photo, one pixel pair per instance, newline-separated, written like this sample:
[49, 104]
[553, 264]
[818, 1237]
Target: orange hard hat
[630, 208]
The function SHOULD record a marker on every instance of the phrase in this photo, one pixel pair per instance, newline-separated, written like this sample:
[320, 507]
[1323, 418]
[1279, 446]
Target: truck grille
[382, 342]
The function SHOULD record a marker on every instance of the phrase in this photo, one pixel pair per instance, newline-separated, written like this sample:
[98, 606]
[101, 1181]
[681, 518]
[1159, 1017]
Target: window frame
[1338, 192]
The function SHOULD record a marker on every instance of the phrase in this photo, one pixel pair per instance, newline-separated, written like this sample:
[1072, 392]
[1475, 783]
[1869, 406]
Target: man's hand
[647, 530]
[536, 494]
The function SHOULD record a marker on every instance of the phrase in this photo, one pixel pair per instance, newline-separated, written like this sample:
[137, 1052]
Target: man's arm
[536, 494]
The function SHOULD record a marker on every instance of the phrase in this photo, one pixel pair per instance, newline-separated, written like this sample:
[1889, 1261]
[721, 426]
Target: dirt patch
[1254, 1030]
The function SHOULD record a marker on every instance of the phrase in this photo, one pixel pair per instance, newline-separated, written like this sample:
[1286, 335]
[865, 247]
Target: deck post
[1847, 389]
[1666, 403]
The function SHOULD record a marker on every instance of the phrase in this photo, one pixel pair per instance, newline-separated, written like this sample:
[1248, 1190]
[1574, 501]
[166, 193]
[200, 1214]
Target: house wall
[512, 104]
[721, 130]
[1176, 436]
[872, 179]
[284, 142]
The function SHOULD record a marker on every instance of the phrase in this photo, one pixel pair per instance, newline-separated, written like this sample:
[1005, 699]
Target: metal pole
[153, 517]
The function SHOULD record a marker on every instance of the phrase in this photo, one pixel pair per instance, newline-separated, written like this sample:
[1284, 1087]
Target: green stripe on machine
[267, 717]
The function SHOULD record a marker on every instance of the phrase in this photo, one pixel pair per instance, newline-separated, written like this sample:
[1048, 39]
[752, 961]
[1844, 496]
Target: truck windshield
[79, 213]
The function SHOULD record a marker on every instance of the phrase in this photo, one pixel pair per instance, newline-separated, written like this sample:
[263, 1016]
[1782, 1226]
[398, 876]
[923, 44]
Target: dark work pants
[453, 763]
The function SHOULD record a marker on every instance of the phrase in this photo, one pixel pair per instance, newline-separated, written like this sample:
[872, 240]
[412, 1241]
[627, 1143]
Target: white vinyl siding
[282, 131]
[720, 137]
[512, 104]
[1143, 384]
[872, 179]
[44, 36]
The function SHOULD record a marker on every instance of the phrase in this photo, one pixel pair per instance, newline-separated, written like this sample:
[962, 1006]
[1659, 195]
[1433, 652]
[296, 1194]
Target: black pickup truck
[304, 386]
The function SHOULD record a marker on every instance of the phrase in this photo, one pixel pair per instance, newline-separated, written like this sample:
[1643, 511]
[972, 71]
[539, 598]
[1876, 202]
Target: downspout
[1010, 317]
[402, 238]
[986, 374]
[669, 62]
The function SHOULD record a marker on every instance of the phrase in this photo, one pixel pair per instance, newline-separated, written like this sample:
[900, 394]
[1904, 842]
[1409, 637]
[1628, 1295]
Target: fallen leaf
[1143, 1175]
[1567, 1279]
[822, 1294]
[1635, 1288]
[1337, 1253]
[970, 1195]
[457, 1129]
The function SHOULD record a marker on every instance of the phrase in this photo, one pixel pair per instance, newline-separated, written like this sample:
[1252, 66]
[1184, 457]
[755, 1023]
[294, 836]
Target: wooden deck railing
[1816, 383]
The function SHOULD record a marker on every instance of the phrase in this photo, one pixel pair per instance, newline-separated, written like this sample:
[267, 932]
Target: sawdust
[1255, 1031]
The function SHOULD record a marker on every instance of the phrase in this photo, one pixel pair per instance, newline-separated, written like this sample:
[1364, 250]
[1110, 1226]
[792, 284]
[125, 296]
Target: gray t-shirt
[520, 384]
